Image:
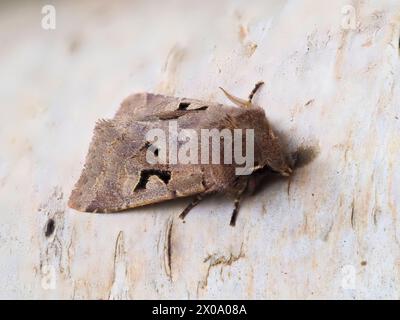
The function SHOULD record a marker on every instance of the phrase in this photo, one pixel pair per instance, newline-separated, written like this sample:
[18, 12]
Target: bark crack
[168, 249]
[120, 282]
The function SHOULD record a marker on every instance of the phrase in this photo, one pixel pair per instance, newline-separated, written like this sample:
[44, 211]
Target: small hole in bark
[165, 176]
[50, 227]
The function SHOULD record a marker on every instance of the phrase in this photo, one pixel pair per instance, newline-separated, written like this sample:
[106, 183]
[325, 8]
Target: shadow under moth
[118, 175]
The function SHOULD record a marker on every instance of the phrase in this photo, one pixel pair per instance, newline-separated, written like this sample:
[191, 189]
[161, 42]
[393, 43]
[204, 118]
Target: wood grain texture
[332, 231]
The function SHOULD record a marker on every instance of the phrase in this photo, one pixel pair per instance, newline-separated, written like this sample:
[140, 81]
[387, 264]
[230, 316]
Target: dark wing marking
[146, 107]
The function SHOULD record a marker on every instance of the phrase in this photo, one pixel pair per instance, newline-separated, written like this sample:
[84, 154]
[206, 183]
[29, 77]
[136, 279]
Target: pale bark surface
[332, 232]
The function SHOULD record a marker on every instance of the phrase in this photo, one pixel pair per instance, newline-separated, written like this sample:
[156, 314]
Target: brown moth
[118, 176]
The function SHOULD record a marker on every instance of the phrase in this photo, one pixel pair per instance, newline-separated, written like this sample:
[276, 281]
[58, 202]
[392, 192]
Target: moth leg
[239, 196]
[235, 210]
[191, 205]
[255, 89]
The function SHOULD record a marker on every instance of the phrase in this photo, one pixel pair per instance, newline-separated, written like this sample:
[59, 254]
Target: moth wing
[148, 106]
[116, 175]
[140, 105]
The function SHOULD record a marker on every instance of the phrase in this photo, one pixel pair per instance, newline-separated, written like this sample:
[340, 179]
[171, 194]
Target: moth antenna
[256, 87]
[237, 101]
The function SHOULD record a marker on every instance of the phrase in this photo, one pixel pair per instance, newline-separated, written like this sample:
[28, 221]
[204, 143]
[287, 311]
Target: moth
[118, 176]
